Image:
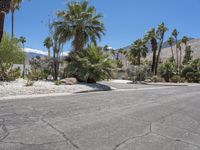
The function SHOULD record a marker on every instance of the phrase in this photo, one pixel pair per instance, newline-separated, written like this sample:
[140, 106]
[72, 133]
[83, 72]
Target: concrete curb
[170, 84]
[104, 88]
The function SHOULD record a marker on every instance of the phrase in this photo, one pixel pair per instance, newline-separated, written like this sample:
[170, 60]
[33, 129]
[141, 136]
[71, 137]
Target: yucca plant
[91, 65]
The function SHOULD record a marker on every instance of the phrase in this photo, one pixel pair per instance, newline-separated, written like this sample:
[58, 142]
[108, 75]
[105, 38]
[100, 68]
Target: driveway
[137, 118]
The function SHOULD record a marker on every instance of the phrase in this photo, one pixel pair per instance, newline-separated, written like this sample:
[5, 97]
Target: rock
[147, 80]
[50, 77]
[69, 81]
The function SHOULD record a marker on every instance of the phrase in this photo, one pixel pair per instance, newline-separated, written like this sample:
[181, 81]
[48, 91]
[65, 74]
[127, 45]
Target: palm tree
[171, 42]
[152, 37]
[3, 10]
[160, 35]
[180, 56]
[138, 50]
[175, 34]
[23, 41]
[81, 23]
[48, 43]
[120, 52]
[14, 5]
[185, 40]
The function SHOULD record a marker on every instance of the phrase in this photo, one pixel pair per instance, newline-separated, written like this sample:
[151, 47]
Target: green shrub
[156, 79]
[196, 77]
[90, 65]
[7, 73]
[190, 76]
[137, 73]
[186, 70]
[57, 82]
[167, 71]
[176, 79]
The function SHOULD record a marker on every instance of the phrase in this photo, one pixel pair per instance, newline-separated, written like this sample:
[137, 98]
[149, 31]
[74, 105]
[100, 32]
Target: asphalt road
[140, 118]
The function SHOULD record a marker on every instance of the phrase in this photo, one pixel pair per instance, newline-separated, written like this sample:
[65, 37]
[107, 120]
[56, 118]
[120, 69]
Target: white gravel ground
[18, 87]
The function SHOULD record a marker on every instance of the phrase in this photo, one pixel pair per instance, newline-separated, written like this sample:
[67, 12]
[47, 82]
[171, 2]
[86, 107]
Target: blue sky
[125, 20]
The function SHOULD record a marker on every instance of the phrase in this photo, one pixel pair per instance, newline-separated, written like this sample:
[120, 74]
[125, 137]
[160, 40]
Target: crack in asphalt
[177, 140]
[153, 132]
[5, 131]
[67, 139]
[133, 138]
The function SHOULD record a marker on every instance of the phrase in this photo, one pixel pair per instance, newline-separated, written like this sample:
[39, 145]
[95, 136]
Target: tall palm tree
[171, 42]
[48, 43]
[4, 9]
[14, 5]
[152, 37]
[138, 50]
[162, 29]
[185, 40]
[180, 55]
[175, 34]
[81, 23]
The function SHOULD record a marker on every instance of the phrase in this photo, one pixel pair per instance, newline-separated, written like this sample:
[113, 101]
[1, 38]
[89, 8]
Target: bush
[186, 70]
[90, 65]
[7, 73]
[137, 73]
[57, 82]
[176, 79]
[167, 71]
[156, 79]
[196, 77]
[190, 76]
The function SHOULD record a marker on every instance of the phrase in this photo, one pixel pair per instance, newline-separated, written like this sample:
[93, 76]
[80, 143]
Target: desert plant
[57, 82]
[190, 76]
[185, 70]
[91, 65]
[157, 79]
[176, 79]
[167, 70]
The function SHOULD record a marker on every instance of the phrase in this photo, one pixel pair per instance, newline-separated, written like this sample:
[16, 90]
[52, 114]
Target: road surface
[134, 117]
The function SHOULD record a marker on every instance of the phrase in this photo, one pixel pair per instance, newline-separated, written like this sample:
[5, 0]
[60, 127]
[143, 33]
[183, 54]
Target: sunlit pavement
[134, 117]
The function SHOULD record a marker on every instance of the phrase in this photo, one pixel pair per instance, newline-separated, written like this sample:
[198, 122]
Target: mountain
[166, 51]
[31, 53]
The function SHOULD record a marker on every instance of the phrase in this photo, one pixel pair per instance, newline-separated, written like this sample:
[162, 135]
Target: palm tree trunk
[180, 62]
[177, 64]
[2, 18]
[49, 53]
[12, 24]
[158, 56]
[172, 53]
[154, 49]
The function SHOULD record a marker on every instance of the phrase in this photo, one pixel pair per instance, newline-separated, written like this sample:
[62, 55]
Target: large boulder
[69, 81]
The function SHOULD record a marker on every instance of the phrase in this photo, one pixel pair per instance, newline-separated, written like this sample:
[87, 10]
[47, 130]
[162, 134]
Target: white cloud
[36, 51]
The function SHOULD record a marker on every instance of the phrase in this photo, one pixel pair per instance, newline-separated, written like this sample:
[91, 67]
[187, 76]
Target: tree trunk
[158, 56]
[177, 65]
[172, 54]
[180, 61]
[12, 24]
[55, 64]
[2, 18]
[49, 53]
[78, 42]
[154, 49]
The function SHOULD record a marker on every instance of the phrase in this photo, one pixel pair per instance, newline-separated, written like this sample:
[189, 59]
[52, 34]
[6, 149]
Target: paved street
[137, 117]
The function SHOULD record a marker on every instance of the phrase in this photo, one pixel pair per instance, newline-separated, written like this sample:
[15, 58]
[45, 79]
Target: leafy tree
[10, 50]
[91, 65]
[48, 43]
[138, 50]
[81, 23]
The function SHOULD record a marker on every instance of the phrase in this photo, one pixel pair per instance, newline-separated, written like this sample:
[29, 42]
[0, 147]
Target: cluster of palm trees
[80, 24]
[139, 49]
[155, 37]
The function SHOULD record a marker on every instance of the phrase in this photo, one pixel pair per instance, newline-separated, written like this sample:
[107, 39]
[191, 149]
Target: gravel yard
[18, 87]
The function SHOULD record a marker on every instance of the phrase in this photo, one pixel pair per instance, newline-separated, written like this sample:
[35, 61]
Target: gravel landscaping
[19, 87]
